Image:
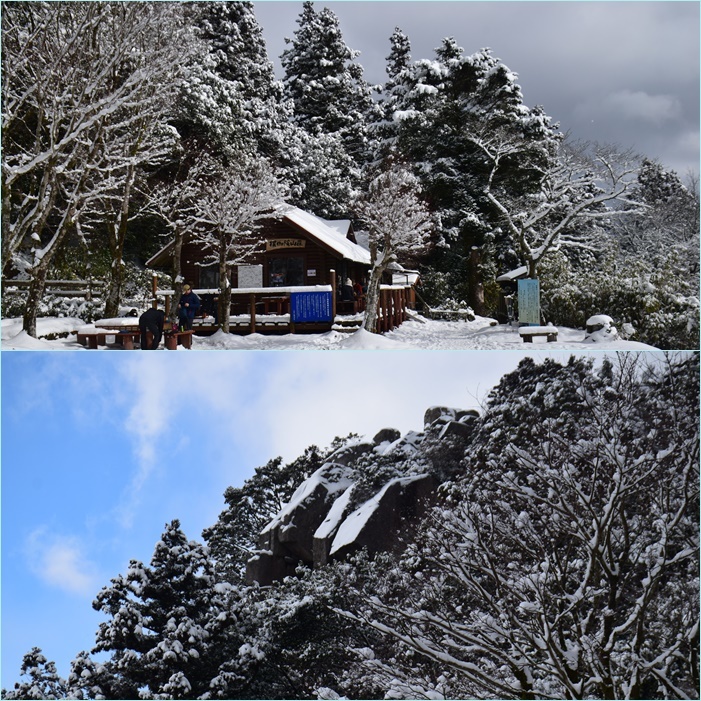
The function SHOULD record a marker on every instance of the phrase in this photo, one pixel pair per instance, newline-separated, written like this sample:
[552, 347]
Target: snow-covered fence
[58, 288]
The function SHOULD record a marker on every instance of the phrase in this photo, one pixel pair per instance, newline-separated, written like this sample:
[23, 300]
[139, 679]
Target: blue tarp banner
[310, 307]
[529, 302]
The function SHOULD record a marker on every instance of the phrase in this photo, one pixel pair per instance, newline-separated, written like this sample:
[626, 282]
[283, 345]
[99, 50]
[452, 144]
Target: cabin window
[209, 278]
[286, 271]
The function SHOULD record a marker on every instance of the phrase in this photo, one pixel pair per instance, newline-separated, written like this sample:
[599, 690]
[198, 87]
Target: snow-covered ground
[419, 334]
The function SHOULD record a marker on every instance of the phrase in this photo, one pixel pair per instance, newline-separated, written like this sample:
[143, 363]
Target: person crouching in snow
[151, 321]
[187, 308]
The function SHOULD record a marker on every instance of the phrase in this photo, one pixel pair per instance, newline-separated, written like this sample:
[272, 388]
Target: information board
[250, 276]
[529, 302]
[311, 306]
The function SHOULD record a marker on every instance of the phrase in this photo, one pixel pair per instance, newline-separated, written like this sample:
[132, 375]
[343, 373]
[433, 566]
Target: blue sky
[101, 450]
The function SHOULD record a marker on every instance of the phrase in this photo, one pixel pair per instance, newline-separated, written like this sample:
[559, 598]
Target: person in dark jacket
[151, 321]
[187, 307]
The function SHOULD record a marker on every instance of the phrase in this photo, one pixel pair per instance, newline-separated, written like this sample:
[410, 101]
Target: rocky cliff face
[370, 494]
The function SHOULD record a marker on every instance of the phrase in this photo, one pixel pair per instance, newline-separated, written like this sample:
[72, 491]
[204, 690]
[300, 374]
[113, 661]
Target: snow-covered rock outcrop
[356, 501]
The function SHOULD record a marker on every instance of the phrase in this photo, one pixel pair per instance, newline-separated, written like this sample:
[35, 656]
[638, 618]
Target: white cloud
[61, 562]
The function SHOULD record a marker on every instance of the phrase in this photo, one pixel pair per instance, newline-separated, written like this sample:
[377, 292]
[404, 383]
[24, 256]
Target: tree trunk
[476, 283]
[372, 298]
[34, 297]
[224, 290]
[114, 292]
[177, 274]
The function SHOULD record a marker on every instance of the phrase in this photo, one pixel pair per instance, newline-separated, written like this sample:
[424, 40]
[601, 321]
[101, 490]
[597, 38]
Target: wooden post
[167, 310]
[332, 273]
[154, 290]
[252, 305]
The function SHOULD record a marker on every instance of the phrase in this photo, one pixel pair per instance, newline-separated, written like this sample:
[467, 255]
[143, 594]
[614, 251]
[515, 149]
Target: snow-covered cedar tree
[439, 105]
[384, 130]
[586, 182]
[231, 101]
[330, 97]
[81, 85]
[249, 508]
[170, 623]
[234, 201]
[398, 224]
[41, 679]
[326, 83]
[565, 563]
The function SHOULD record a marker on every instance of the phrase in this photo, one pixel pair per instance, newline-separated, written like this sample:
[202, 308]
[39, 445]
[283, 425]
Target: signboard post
[311, 307]
[529, 302]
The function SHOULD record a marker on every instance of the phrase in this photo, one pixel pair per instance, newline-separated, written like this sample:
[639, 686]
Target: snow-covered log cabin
[295, 250]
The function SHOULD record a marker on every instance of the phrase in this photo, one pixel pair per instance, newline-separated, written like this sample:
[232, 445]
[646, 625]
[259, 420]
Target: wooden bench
[92, 339]
[173, 337]
[527, 333]
[127, 338]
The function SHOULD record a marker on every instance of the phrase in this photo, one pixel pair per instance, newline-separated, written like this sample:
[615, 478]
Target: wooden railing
[392, 309]
[59, 288]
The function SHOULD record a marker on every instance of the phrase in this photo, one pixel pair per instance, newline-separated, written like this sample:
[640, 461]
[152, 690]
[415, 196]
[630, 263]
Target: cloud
[655, 109]
[165, 391]
[61, 562]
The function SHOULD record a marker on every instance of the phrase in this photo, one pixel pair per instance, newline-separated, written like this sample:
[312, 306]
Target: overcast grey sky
[620, 72]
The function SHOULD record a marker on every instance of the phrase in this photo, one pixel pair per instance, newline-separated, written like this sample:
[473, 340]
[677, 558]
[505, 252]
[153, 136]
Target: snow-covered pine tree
[249, 508]
[384, 130]
[42, 680]
[440, 105]
[239, 60]
[398, 225]
[168, 623]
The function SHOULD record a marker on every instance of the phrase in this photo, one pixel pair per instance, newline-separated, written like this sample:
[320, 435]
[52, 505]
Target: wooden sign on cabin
[276, 244]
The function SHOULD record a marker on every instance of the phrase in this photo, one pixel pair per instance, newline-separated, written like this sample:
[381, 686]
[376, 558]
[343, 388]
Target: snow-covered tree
[42, 679]
[669, 223]
[330, 96]
[398, 225]
[385, 129]
[77, 81]
[232, 102]
[166, 622]
[564, 564]
[233, 203]
[439, 105]
[249, 508]
[583, 184]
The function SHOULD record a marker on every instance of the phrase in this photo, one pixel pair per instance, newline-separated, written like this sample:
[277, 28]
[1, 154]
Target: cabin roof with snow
[336, 236]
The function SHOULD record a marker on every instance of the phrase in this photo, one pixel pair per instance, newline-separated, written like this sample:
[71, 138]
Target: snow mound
[364, 340]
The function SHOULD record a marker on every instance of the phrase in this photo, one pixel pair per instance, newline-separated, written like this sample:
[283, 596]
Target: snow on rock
[600, 329]
[375, 524]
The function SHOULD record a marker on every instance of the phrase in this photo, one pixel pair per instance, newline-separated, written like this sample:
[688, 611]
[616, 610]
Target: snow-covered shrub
[654, 298]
